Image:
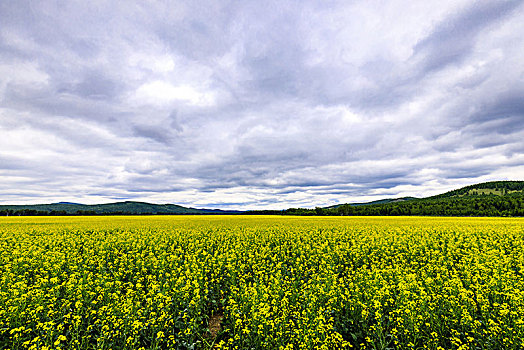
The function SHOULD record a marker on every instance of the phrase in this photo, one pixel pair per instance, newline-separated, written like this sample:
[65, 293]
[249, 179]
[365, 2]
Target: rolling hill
[497, 198]
[123, 208]
[379, 201]
[493, 188]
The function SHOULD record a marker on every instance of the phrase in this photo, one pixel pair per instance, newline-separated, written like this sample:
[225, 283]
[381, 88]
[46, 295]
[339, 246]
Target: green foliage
[498, 198]
[277, 283]
[493, 187]
[501, 198]
[510, 205]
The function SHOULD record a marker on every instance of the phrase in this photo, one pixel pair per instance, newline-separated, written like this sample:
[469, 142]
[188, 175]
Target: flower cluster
[277, 283]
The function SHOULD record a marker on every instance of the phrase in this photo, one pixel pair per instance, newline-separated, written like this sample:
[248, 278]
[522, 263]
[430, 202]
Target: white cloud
[258, 104]
[160, 94]
[161, 63]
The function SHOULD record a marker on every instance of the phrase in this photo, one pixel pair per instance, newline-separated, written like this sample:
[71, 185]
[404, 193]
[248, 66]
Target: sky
[257, 104]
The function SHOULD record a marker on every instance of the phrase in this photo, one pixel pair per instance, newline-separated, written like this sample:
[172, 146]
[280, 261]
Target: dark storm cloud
[257, 104]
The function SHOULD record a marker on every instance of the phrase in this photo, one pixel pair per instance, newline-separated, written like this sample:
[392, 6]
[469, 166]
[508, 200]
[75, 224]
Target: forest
[495, 198]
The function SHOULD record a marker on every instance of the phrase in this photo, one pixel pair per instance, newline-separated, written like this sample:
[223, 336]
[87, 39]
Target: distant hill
[496, 198]
[495, 188]
[123, 208]
[379, 201]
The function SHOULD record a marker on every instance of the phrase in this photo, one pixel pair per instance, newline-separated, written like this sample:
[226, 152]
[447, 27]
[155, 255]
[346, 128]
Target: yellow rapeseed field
[264, 282]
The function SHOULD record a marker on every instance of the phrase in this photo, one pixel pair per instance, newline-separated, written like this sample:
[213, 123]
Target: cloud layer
[251, 105]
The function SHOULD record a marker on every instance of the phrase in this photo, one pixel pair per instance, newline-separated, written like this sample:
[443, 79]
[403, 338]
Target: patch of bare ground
[215, 324]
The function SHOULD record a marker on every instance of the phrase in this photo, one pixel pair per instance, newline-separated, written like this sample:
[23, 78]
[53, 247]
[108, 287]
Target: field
[241, 282]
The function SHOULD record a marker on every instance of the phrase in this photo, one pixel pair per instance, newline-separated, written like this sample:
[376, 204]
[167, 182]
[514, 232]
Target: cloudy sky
[257, 104]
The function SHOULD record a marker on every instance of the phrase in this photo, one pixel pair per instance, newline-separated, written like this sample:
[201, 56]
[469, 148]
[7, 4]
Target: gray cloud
[455, 38]
[257, 104]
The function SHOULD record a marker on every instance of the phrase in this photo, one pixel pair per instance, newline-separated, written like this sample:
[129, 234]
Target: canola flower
[278, 282]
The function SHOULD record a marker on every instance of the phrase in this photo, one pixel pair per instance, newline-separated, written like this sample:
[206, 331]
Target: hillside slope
[379, 201]
[495, 188]
[498, 198]
[128, 207]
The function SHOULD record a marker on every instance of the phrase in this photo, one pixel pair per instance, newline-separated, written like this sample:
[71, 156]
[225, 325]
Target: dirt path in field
[215, 324]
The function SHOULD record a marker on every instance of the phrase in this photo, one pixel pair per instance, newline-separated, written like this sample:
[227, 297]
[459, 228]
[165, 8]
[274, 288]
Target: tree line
[483, 205]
